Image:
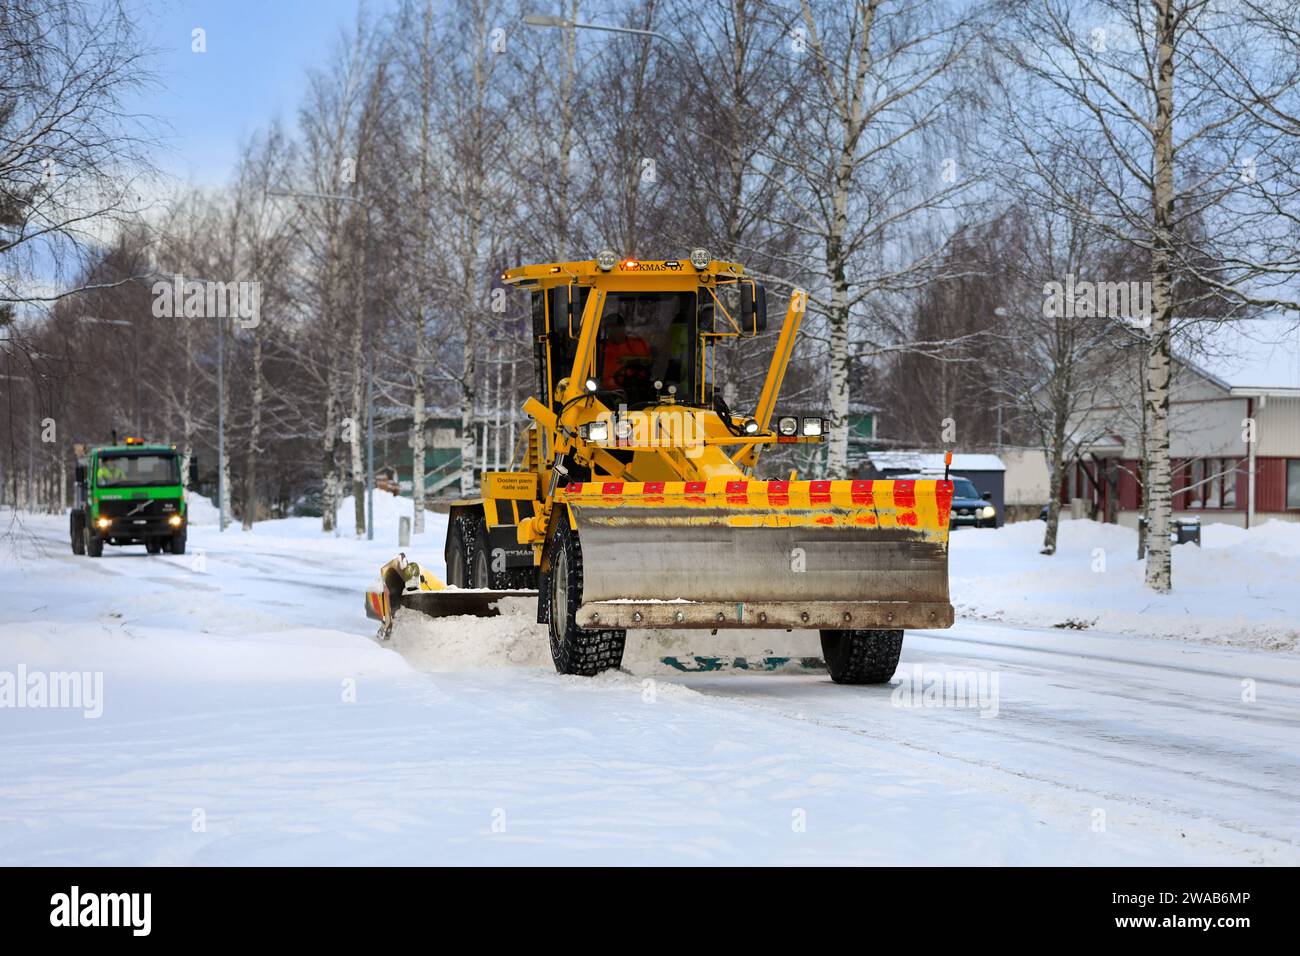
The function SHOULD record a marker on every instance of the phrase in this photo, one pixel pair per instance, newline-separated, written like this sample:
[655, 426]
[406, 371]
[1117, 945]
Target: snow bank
[201, 510]
[1242, 587]
[389, 509]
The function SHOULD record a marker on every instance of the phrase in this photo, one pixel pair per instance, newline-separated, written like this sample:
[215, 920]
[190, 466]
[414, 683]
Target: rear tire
[862, 656]
[484, 575]
[78, 533]
[480, 565]
[573, 649]
[460, 549]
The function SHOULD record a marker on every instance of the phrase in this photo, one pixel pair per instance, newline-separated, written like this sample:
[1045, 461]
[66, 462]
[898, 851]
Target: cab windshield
[648, 338]
[135, 471]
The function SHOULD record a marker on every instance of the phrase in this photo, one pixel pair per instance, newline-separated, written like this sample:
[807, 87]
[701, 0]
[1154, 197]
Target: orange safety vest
[616, 352]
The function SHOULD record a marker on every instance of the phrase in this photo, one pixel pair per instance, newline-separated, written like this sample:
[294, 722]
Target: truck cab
[130, 494]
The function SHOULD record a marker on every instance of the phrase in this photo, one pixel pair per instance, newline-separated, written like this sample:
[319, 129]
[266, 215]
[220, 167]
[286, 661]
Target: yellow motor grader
[632, 501]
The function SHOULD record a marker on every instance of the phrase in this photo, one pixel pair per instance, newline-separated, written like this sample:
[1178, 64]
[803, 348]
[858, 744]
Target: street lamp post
[370, 363]
[563, 23]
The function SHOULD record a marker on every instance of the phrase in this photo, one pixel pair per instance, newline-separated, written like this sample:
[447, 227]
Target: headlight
[988, 511]
[175, 521]
[700, 259]
[606, 260]
[103, 522]
[812, 427]
[787, 426]
[594, 431]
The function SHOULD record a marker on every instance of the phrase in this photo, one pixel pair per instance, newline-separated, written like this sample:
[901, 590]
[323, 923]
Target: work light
[700, 259]
[812, 427]
[594, 431]
[789, 425]
[751, 427]
[606, 260]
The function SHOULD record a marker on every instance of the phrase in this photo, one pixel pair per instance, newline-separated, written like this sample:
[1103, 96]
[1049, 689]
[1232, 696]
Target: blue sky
[255, 69]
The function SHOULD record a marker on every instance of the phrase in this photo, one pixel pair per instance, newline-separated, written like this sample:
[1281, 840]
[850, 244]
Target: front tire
[94, 544]
[153, 546]
[177, 543]
[862, 656]
[573, 649]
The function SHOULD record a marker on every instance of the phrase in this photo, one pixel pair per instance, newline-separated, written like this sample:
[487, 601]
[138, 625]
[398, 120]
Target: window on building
[1195, 483]
[1229, 482]
[1211, 483]
[1293, 483]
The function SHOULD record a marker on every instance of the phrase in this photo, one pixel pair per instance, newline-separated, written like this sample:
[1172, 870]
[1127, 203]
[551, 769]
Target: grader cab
[632, 502]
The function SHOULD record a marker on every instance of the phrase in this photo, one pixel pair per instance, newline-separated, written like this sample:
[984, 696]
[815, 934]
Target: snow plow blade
[448, 602]
[834, 555]
[405, 584]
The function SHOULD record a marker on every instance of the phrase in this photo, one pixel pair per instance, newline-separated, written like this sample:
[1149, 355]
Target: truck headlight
[700, 259]
[988, 511]
[789, 425]
[812, 427]
[175, 521]
[103, 522]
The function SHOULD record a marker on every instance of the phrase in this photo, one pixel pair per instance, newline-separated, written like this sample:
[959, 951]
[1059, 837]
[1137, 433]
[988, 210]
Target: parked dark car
[970, 509]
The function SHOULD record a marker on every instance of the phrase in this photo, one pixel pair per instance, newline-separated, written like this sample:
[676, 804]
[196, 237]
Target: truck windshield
[134, 471]
[647, 337]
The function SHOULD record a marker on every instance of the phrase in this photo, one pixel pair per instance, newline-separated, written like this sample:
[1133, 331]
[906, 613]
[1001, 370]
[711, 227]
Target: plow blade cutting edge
[784, 554]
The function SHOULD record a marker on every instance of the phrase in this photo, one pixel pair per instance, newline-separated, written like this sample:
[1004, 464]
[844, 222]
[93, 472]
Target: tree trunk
[417, 454]
[254, 436]
[1159, 575]
[358, 424]
[837, 465]
[1056, 467]
[469, 372]
[329, 462]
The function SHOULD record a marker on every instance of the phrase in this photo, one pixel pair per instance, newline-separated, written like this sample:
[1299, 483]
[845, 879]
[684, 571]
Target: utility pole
[221, 427]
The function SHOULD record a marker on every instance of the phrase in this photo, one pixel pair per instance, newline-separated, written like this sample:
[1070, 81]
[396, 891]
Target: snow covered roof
[1252, 356]
[922, 461]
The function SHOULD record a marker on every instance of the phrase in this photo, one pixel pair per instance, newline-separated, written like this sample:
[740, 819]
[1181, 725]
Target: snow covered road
[248, 717]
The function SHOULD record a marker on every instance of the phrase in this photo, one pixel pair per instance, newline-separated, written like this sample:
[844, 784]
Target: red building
[1234, 441]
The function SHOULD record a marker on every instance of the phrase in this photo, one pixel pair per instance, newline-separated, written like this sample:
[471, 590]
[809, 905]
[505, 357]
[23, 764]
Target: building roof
[923, 461]
[1251, 356]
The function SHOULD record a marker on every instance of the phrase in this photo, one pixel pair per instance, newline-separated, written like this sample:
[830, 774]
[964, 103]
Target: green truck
[130, 494]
